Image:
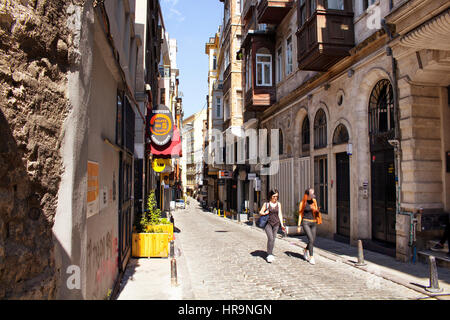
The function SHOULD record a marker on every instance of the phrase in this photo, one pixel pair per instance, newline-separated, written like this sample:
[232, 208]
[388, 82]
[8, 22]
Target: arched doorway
[381, 130]
[341, 136]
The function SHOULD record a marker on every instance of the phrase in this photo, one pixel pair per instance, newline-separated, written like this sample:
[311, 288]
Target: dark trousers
[271, 232]
[310, 230]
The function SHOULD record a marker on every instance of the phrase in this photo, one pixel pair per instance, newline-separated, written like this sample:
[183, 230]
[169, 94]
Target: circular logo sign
[159, 165]
[161, 125]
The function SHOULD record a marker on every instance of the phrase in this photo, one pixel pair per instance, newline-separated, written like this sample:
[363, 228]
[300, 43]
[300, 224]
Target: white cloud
[179, 15]
[173, 12]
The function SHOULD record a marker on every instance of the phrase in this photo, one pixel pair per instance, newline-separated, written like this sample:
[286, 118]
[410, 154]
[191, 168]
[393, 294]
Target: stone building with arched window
[362, 114]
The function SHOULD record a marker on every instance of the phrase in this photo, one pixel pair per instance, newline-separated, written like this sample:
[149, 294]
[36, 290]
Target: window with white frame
[279, 64]
[227, 58]
[263, 69]
[214, 62]
[239, 6]
[289, 67]
[218, 107]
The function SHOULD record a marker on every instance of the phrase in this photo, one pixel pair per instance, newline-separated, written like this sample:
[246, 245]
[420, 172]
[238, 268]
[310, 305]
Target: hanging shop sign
[257, 184]
[161, 125]
[159, 165]
[251, 176]
[224, 174]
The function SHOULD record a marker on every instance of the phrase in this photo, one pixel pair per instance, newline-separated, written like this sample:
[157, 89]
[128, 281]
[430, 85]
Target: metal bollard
[172, 249]
[360, 255]
[434, 281]
[173, 272]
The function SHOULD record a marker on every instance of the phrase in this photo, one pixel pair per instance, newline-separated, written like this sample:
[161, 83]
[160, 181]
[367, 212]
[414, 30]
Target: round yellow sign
[158, 165]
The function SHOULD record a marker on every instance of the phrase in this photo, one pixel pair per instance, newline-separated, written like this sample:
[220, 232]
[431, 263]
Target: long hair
[305, 196]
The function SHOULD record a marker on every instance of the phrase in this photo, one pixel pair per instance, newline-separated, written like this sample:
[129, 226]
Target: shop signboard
[161, 125]
[251, 176]
[224, 174]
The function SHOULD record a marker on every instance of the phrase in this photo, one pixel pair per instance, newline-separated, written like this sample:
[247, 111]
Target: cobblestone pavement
[225, 260]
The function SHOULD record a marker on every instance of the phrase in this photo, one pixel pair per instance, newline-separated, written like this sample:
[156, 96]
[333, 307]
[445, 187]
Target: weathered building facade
[69, 110]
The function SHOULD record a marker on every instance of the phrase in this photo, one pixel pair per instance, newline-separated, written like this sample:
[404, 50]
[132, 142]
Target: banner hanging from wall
[161, 125]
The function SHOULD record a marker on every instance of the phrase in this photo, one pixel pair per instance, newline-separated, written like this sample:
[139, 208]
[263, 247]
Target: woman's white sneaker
[312, 260]
[270, 258]
[306, 255]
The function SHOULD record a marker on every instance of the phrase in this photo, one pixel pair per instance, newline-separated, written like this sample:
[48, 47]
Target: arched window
[320, 130]
[306, 138]
[280, 143]
[340, 135]
[381, 108]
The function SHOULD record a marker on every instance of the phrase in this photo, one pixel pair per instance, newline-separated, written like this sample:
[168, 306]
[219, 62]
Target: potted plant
[152, 232]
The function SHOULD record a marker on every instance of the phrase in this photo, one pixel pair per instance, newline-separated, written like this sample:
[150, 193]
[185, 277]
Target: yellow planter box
[150, 245]
[162, 228]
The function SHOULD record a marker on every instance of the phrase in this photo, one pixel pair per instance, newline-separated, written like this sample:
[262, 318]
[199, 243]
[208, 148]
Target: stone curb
[337, 258]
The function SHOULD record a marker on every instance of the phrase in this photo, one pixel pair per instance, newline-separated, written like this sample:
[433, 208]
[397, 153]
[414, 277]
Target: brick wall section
[34, 53]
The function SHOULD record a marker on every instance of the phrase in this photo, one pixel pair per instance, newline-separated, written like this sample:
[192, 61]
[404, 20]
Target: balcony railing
[273, 11]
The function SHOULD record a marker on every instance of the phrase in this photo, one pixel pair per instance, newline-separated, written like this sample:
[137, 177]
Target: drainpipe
[397, 145]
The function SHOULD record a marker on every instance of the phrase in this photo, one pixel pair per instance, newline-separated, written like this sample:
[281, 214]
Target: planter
[150, 245]
[165, 228]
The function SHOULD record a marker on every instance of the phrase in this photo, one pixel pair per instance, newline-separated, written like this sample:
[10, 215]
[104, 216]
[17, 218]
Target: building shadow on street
[419, 269]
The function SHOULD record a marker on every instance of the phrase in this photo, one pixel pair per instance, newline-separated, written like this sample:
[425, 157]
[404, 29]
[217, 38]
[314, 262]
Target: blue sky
[192, 22]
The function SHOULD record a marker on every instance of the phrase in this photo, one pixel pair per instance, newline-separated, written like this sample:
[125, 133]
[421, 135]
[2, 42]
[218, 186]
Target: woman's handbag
[262, 221]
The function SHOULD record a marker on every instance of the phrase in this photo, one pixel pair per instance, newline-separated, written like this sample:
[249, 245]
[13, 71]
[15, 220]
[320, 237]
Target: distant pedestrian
[273, 209]
[309, 217]
[446, 237]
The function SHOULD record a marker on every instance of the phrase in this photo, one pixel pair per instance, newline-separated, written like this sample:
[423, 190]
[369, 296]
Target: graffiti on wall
[102, 262]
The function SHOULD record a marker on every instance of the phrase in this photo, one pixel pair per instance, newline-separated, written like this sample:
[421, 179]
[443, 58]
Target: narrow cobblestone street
[226, 260]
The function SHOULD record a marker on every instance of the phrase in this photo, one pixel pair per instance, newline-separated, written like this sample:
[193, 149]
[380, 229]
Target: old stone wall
[34, 62]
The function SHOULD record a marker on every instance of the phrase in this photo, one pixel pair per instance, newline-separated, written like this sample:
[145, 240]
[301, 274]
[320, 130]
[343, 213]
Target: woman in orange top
[309, 217]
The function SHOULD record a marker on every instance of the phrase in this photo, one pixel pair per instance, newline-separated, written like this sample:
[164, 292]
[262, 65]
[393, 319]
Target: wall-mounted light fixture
[350, 73]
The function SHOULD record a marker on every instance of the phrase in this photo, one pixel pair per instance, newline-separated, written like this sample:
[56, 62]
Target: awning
[172, 150]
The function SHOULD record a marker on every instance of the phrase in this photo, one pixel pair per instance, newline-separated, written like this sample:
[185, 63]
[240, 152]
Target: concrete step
[442, 259]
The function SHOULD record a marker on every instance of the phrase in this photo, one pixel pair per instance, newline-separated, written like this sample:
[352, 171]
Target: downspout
[396, 143]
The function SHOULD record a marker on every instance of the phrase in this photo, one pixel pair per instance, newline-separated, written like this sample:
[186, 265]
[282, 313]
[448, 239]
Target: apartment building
[357, 93]
[225, 98]
[193, 141]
